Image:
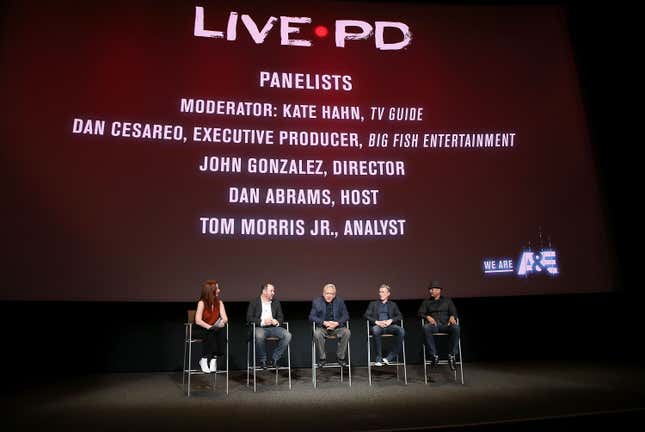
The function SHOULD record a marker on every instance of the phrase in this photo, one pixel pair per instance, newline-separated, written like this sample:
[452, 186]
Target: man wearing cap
[440, 316]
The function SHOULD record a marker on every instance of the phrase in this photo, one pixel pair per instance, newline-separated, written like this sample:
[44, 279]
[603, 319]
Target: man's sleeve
[369, 314]
[278, 313]
[251, 314]
[452, 309]
[313, 315]
[344, 315]
[423, 313]
[396, 313]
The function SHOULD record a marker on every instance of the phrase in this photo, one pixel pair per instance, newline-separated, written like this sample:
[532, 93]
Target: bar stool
[254, 367]
[458, 360]
[396, 363]
[188, 371]
[314, 364]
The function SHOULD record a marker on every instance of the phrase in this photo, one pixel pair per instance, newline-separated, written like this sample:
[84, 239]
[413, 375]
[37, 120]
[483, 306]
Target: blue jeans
[453, 334]
[393, 329]
[261, 333]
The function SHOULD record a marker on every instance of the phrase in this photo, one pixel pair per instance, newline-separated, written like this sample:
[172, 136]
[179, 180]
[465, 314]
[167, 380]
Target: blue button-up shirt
[382, 312]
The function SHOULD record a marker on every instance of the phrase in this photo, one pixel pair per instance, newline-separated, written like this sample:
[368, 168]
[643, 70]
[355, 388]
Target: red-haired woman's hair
[209, 294]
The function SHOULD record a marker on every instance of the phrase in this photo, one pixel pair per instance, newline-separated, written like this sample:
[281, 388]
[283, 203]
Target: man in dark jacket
[330, 315]
[382, 314]
[266, 313]
[440, 316]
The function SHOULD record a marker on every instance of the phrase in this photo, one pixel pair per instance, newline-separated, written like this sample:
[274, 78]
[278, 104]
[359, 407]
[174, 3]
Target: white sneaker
[203, 363]
[379, 364]
[213, 365]
[386, 361]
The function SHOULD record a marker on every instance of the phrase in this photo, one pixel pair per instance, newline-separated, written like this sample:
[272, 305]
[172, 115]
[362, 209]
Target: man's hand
[382, 324]
[330, 325]
[431, 320]
[274, 322]
[452, 320]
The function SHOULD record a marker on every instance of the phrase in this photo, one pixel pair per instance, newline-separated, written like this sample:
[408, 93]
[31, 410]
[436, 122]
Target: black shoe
[263, 365]
[434, 360]
[452, 363]
[342, 362]
[271, 363]
[322, 362]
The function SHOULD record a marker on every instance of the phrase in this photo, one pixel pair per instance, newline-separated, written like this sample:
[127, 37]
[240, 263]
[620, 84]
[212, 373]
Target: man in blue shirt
[330, 315]
[382, 314]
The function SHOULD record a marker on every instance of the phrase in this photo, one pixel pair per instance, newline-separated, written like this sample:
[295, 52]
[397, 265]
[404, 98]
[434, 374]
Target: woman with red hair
[211, 316]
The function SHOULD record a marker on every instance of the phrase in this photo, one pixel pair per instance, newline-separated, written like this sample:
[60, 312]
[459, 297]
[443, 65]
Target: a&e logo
[544, 261]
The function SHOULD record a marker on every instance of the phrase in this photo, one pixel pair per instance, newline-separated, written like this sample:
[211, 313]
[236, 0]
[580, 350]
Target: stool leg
[425, 365]
[289, 362]
[215, 377]
[405, 365]
[461, 362]
[349, 364]
[190, 357]
[369, 361]
[227, 360]
[398, 364]
[313, 362]
[254, 362]
[183, 372]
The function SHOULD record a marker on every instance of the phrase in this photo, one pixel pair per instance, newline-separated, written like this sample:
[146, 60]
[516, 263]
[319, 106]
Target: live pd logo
[543, 261]
[291, 27]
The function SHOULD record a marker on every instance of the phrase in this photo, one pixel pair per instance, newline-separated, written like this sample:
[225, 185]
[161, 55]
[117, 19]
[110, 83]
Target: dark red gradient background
[104, 218]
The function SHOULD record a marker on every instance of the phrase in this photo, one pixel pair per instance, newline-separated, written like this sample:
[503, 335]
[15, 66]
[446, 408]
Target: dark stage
[496, 396]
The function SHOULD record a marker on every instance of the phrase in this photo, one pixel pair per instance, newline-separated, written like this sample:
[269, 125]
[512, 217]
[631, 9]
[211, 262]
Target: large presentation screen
[150, 145]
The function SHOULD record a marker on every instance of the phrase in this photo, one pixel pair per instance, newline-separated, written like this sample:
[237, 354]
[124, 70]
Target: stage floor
[509, 396]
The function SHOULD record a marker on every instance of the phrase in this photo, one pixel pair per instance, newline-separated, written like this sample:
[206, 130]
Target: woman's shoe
[203, 363]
